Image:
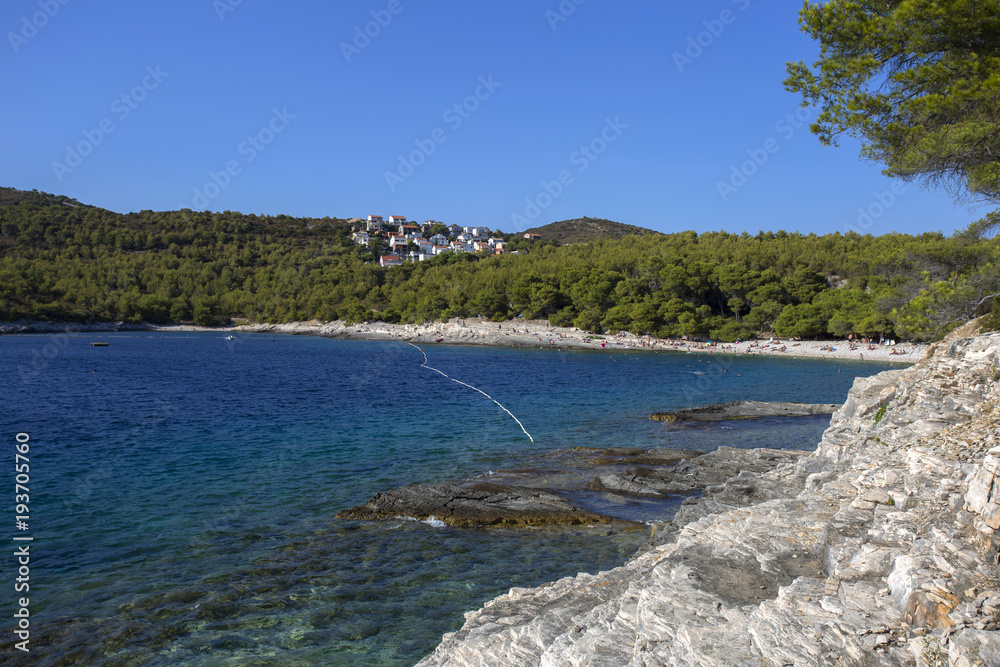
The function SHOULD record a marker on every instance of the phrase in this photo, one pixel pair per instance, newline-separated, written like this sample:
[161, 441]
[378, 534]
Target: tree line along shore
[65, 261]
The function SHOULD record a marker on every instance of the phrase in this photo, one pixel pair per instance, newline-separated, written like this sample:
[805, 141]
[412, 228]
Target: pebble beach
[539, 333]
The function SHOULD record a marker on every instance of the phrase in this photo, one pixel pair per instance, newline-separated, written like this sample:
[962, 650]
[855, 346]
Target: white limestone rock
[879, 549]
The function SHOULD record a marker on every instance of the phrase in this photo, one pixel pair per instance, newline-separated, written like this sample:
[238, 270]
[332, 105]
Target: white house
[455, 230]
[478, 232]
[390, 260]
[361, 238]
[397, 220]
[424, 247]
[439, 239]
[399, 245]
[438, 249]
[464, 237]
[375, 223]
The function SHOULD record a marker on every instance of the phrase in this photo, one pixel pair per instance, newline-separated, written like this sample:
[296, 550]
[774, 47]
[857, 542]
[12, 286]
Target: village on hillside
[412, 242]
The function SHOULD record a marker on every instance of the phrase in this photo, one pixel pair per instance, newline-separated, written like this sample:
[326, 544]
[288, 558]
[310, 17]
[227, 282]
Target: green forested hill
[585, 230]
[60, 260]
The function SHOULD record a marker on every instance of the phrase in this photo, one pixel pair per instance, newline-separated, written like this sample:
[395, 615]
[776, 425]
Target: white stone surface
[879, 549]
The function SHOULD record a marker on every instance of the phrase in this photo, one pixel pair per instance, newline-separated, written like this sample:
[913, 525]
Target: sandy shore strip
[539, 333]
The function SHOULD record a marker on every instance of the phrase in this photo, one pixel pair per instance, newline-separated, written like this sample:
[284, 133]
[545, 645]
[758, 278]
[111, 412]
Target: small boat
[98, 344]
[230, 338]
[439, 340]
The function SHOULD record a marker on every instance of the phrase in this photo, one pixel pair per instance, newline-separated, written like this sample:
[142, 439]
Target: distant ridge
[10, 196]
[585, 230]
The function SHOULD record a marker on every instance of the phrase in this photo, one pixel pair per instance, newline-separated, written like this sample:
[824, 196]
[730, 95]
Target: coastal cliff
[878, 549]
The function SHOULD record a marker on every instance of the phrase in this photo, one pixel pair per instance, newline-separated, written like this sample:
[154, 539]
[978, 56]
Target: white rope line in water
[430, 368]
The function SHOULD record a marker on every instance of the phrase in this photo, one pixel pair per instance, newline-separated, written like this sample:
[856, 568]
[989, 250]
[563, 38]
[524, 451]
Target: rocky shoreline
[514, 333]
[878, 548]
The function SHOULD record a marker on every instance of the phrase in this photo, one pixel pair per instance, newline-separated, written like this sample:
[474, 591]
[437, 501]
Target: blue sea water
[183, 487]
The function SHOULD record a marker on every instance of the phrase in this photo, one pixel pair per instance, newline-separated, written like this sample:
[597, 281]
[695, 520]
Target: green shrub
[732, 331]
[880, 414]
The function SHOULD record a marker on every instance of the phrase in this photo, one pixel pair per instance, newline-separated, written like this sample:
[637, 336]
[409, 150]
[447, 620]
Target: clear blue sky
[307, 127]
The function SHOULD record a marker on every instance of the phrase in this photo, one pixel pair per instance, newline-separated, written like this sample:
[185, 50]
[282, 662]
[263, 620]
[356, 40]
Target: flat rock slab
[652, 476]
[474, 505]
[649, 457]
[530, 497]
[745, 410]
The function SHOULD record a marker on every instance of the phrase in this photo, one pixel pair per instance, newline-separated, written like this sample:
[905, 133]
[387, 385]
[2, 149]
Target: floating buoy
[98, 344]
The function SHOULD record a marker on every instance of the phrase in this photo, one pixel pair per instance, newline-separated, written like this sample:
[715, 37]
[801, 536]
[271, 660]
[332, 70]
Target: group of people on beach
[548, 336]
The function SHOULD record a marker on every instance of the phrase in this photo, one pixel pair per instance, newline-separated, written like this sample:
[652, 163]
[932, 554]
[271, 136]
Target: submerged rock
[530, 496]
[473, 505]
[745, 410]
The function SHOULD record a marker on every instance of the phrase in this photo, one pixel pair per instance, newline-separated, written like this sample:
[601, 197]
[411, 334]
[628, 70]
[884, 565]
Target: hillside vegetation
[585, 230]
[64, 261]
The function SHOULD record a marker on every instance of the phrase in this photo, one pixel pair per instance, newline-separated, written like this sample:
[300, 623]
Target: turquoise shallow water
[183, 486]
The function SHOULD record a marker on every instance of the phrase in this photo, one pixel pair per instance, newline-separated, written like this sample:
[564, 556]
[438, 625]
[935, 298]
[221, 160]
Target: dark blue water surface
[183, 487]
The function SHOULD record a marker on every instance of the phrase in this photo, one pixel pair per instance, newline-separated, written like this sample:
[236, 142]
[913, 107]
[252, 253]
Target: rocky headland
[879, 548]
